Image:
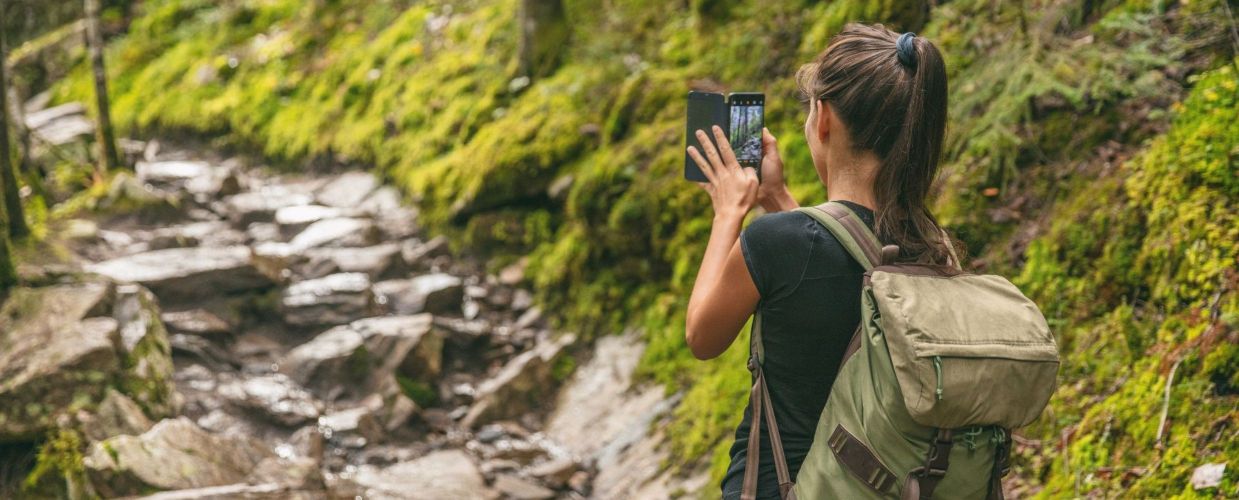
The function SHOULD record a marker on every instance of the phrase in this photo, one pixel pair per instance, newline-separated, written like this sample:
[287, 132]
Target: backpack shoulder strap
[851, 232]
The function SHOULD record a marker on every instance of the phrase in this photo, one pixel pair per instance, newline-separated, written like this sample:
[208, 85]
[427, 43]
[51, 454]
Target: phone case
[705, 109]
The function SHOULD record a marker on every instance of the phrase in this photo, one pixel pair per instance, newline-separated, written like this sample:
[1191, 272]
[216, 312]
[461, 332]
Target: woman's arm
[724, 294]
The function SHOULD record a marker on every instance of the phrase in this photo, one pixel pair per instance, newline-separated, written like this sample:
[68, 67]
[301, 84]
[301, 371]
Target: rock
[367, 353]
[337, 232]
[519, 386]
[417, 255]
[555, 472]
[347, 190]
[187, 273]
[196, 322]
[171, 173]
[580, 482]
[263, 232]
[297, 474]
[294, 219]
[1208, 475]
[521, 300]
[115, 415]
[174, 454]
[230, 492]
[514, 273]
[331, 300]
[63, 346]
[206, 233]
[43, 117]
[383, 200]
[259, 206]
[60, 125]
[276, 397]
[202, 349]
[519, 489]
[306, 442]
[375, 261]
[441, 474]
[435, 293]
[359, 421]
[527, 319]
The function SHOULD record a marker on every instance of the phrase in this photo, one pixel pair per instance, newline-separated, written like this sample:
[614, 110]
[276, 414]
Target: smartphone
[746, 117]
[705, 110]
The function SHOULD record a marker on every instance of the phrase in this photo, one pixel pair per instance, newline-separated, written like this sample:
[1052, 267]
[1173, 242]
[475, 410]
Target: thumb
[768, 142]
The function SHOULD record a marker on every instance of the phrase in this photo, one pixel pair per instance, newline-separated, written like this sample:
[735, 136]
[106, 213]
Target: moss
[59, 464]
[562, 368]
[420, 392]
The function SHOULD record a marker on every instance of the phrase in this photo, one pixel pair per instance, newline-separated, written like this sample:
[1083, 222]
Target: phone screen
[746, 124]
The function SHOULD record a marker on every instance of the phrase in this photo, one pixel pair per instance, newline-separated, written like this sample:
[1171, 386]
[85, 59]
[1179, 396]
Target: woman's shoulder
[791, 224]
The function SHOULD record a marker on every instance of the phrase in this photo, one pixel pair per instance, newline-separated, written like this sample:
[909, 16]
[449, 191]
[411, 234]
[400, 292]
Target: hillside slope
[1091, 157]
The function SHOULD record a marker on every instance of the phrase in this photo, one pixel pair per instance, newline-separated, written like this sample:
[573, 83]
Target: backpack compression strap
[863, 246]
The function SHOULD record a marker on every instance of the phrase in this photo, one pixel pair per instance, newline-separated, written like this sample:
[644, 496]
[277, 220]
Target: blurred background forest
[1091, 157]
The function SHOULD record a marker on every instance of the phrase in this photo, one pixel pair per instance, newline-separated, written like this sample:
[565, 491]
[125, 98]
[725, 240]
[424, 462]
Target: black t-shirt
[810, 305]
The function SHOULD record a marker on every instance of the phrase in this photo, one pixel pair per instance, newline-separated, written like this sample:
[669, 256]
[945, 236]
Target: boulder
[174, 454]
[294, 219]
[187, 273]
[196, 322]
[63, 346]
[521, 385]
[555, 472]
[169, 174]
[275, 397]
[259, 206]
[375, 261]
[441, 474]
[348, 190]
[330, 300]
[515, 488]
[366, 353]
[332, 233]
[418, 255]
[434, 293]
[115, 415]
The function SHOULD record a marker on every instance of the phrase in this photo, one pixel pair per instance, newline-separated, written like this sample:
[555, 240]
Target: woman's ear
[823, 119]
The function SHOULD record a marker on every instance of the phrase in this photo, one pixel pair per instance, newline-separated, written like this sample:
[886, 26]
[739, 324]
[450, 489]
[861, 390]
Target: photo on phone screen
[746, 124]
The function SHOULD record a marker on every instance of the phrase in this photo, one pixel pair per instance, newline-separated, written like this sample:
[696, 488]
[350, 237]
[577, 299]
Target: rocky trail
[243, 333]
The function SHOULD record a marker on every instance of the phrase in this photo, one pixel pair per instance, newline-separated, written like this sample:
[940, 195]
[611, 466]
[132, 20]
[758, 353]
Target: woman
[877, 111]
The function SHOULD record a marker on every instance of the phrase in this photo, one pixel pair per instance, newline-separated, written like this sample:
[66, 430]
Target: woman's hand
[732, 189]
[772, 194]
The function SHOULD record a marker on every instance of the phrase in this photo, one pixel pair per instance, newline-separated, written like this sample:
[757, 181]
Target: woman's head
[890, 94]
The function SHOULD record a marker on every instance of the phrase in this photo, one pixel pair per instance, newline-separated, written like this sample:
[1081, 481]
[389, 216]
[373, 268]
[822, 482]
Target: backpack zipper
[938, 370]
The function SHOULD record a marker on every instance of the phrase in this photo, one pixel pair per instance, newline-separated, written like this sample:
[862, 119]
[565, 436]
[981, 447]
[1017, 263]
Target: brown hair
[896, 109]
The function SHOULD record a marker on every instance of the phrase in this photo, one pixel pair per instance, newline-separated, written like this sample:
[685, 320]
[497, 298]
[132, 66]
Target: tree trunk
[12, 200]
[107, 157]
[544, 34]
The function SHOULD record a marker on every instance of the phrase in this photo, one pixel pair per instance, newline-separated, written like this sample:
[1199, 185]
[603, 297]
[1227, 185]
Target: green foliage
[1041, 94]
[1160, 237]
[59, 461]
[420, 392]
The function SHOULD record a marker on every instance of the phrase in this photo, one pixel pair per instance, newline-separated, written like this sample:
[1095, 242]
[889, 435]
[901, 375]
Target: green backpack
[941, 367]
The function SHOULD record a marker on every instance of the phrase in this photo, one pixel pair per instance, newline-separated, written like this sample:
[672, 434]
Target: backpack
[942, 366]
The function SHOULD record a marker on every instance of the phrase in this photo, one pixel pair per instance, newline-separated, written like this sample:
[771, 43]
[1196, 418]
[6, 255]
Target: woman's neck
[850, 178]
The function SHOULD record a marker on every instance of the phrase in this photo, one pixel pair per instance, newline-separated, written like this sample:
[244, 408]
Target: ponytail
[891, 93]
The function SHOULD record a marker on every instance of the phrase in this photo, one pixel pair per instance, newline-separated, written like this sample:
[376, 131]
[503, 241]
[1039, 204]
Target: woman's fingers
[724, 146]
[710, 151]
[702, 163]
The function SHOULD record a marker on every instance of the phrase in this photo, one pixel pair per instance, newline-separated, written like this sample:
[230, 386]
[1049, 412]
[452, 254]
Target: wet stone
[375, 261]
[435, 293]
[196, 322]
[441, 474]
[276, 397]
[331, 300]
[417, 255]
[520, 489]
[183, 273]
[259, 206]
[171, 173]
[294, 219]
[348, 190]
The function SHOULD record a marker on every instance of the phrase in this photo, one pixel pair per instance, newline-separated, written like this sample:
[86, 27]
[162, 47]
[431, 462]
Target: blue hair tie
[905, 50]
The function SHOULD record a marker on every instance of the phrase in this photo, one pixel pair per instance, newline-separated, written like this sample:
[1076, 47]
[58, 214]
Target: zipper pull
[938, 370]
